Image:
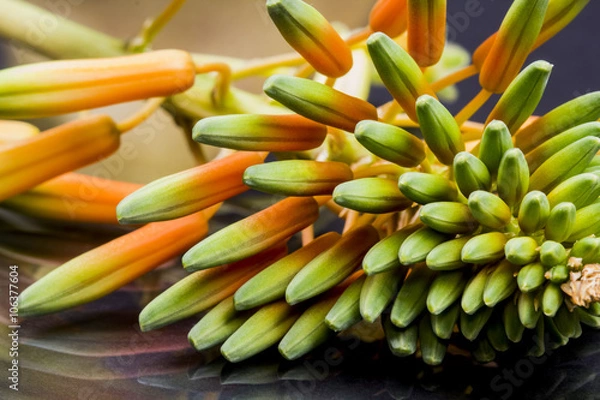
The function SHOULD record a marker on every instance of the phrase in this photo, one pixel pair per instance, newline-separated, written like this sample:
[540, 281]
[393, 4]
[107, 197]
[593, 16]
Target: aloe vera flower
[449, 233]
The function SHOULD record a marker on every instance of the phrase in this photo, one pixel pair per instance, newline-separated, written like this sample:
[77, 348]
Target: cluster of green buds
[485, 232]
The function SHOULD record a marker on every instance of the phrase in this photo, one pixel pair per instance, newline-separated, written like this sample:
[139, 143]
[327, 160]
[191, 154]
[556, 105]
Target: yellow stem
[268, 64]
[453, 78]
[330, 81]
[472, 130]
[359, 36]
[289, 60]
[426, 166]
[153, 26]
[223, 79]
[351, 218]
[471, 108]
[140, 116]
[308, 234]
[305, 71]
[389, 111]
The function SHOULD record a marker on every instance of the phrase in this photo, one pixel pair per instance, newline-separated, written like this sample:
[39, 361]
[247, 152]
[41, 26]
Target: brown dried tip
[584, 286]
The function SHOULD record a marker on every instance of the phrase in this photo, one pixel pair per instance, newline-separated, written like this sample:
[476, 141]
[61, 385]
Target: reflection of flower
[466, 231]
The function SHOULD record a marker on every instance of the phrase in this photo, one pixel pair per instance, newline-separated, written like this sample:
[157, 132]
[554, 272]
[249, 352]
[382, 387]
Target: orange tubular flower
[311, 35]
[558, 15]
[188, 191]
[253, 234]
[59, 87]
[389, 17]
[74, 197]
[426, 30]
[106, 268]
[27, 163]
[516, 37]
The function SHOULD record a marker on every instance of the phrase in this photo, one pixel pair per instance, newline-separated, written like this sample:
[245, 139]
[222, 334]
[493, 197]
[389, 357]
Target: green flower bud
[552, 253]
[501, 283]
[550, 147]
[346, 311]
[288, 132]
[417, 246]
[447, 255]
[332, 266]
[522, 96]
[384, 255]
[448, 217]
[580, 190]
[484, 248]
[399, 72]
[470, 174]
[425, 188]
[297, 177]
[531, 277]
[533, 212]
[489, 210]
[513, 177]
[412, 297]
[390, 143]
[445, 289]
[319, 102]
[371, 195]
[552, 299]
[495, 141]
[561, 222]
[585, 108]
[521, 250]
[439, 128]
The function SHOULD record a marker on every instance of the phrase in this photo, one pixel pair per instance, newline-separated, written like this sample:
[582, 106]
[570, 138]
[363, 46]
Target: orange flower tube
[74, 197]
[426, 34]
[27, 163]
[60, 87]
[389, 17]
[106, 268]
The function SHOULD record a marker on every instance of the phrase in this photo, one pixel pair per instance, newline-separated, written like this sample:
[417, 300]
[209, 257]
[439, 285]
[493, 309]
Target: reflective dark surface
[97, 351]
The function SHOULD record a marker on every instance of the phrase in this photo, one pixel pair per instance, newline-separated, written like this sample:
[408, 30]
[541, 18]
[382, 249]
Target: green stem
[52, 35]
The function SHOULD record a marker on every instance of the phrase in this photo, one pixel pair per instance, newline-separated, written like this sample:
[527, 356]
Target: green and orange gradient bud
[319, 102]
[254, 132]
[426, 35]
[203, 289]
[253, 234]
[188, 191]
[399, 72]
[311, 35]
[559, 14]
[389, 17]
[106, 268]
[27, 163]
[516, 37]
[60, 87]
